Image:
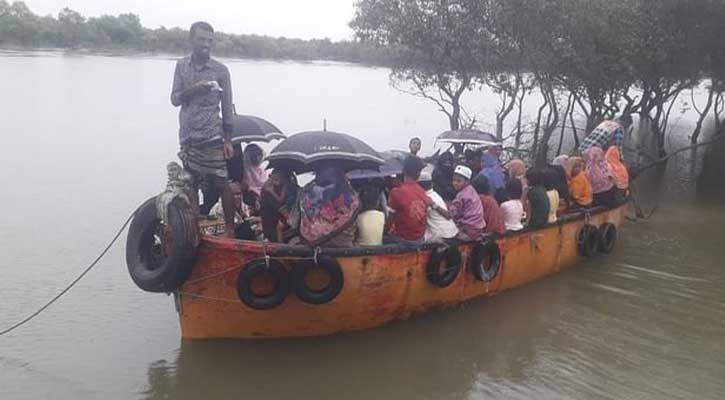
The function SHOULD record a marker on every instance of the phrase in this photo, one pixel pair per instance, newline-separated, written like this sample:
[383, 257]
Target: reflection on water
[645, 322]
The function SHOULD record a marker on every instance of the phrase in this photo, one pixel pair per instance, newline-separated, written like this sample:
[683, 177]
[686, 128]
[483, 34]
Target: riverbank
[24, 51]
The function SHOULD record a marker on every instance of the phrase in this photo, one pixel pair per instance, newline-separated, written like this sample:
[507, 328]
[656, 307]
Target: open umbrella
[469, 136]
[393, 166]
[301, 152]
[248, 128]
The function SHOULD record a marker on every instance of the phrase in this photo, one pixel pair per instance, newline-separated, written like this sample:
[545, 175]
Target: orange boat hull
[377, 289]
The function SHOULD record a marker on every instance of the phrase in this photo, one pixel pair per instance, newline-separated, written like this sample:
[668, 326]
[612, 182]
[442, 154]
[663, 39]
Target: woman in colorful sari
[621, 175]
[600, 176]
[579, 186]
[328, 209]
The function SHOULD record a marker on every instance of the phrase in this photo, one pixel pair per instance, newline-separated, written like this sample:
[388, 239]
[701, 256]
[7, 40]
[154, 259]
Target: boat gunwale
[286, 250]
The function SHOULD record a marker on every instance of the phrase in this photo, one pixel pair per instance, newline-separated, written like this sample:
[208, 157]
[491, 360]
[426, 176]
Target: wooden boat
[379, 285]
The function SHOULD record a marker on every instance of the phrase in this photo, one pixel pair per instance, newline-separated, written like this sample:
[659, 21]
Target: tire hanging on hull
[448, 257]
[318, 296]
[485, 261]
[608, 238]
[588, 241]
[265, 301]
[156, 266]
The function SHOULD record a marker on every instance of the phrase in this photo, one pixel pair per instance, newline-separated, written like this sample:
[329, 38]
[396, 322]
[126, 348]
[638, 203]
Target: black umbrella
[394, 160]
[248, 128]
[301, 152]
[469, 136]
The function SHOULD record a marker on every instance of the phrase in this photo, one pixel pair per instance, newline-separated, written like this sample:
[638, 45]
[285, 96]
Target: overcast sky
[290, 18]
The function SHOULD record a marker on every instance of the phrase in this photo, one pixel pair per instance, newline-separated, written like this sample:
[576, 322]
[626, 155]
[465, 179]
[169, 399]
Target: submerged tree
[442, 44]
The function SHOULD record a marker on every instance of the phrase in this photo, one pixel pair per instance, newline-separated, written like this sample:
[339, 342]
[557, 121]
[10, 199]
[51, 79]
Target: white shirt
[438, 227]
[553, 205]
[513, 214]
[370, 226]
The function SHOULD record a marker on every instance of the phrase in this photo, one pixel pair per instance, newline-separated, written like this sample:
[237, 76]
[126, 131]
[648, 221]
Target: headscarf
[573, 162]
[579, 186]
[600, 175]
[621, 175]
[561, 161]
[517, 168]
[493, 171]
[328, 205]
[254, 175]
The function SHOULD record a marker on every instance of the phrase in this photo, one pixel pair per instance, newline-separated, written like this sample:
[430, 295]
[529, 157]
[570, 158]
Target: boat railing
[281, 250]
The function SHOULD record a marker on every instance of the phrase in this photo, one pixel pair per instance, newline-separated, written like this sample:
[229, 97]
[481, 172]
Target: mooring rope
[75, 281]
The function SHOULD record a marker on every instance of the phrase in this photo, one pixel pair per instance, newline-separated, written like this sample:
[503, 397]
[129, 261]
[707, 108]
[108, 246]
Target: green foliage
[605, 56]
[20, 27]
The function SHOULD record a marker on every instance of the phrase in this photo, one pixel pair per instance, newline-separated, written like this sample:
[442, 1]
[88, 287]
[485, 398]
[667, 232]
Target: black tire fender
[485, 261]
[453, 262]
[588, 241]
[151, 267]
[258, 267]
[607, 238]
[324, 295]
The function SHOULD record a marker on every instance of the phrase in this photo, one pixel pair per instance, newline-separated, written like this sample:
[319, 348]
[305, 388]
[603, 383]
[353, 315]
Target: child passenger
[466, 209]
[513, 210]
[492, 213]
[371, 221]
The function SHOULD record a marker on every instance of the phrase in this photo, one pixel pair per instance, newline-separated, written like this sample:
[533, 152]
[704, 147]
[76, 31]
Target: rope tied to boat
[74, 282]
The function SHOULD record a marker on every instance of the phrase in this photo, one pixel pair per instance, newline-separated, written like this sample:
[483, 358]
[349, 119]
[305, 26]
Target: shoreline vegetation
[21, 29]
[577, 62]
[580, 61]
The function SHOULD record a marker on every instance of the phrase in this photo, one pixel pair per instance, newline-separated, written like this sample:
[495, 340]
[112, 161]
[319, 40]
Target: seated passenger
[600, 177]
[443, 176]
[621, 175]
[537, 199]
[517, 170]
[218, 211]
[371, 221]
[492, 213]
[409, 204]
[328, 209]
[513, 210]
[272, 204]
[579, 186]
[466, 209]
[493, 171]
[439, 227]
[254, 175]
[550, 181]
[555, 178]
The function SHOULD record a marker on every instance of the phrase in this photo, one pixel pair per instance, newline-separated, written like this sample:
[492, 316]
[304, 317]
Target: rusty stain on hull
[378, 288]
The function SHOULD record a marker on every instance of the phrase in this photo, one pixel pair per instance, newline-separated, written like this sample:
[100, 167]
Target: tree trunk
[703, 114]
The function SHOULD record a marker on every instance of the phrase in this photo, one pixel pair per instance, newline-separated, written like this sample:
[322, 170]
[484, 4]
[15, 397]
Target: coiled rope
[75, 281]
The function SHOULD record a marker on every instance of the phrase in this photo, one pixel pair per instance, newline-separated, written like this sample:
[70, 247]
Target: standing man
[200, 85]
[608, 133]
[414, 146]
